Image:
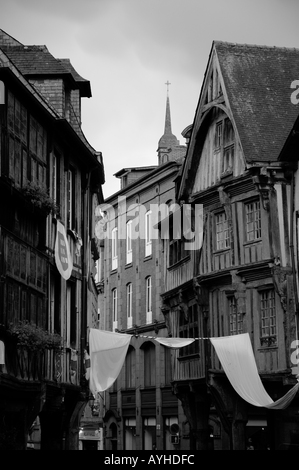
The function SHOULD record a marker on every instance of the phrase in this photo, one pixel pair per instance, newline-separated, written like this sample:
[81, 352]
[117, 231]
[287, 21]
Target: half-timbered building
[241, 278]
[50, 182]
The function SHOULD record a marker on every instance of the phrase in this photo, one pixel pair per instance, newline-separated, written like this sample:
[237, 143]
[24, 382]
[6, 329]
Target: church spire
[167, 128]
[168, 141]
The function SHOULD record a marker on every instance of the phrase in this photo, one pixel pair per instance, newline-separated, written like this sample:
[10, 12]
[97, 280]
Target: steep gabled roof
[257, 81]
[257, 89]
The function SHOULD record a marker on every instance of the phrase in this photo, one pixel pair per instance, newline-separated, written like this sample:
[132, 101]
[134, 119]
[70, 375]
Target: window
[176, 238]
[188, 328]
[55, 178]
[268, 317]
[218, 135]
[38, 140]
[114, 248]
[148, 233]
[71, 199]
[228, 146]
[114, 310]
[71, 314]
[224, 142]
[55, 296]
[129, 242]
[228, 158]
[253, 220]
[176, 251]
[129, 306]
[222, 231]
[148, 299]
[26, 159]
[235, 318]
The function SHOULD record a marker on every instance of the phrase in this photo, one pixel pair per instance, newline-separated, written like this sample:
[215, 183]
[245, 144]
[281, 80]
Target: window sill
[128, 265]
[224, 250]
[147, 258]
[113, 271]
[273, 347]
[179, 263]
[251, 242]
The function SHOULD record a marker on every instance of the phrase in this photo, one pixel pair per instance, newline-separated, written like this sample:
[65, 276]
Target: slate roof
[33, 61]
[258, 84]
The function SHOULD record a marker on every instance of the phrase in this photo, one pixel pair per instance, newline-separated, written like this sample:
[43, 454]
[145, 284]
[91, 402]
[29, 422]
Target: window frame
[114, 248]
[148, 233]
[70, 197]
[177, 251]
[27, 145]
[56, 177]
[114, 309]
[129, 297]
[129, 250]
[224, 231]
[269, 339]
[255, 230]
[71, 314]
[236, 326]
[148, 299]
[224, 144]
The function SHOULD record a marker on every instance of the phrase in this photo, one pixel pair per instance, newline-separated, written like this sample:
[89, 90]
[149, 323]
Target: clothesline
[155, 337]
[108, 352]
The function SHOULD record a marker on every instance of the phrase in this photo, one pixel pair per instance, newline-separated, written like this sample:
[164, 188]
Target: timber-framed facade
[242, 278]
[50, 176]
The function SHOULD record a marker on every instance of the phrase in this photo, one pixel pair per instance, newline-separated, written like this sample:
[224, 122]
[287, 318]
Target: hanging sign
[63, 256]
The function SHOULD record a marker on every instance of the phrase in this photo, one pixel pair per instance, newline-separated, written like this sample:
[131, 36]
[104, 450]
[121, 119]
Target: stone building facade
[140, 411]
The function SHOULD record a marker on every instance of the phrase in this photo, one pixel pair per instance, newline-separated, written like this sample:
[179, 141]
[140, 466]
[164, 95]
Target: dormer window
[224, 143]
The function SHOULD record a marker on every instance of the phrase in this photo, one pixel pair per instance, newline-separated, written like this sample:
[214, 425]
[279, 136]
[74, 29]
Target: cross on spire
[167, 83]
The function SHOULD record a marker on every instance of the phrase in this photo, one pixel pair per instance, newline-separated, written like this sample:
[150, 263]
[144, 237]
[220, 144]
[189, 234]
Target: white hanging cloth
[237, 359]
[175, 343]
[107, 352]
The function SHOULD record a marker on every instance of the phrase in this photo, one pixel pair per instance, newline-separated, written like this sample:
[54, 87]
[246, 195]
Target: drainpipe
[292, 212]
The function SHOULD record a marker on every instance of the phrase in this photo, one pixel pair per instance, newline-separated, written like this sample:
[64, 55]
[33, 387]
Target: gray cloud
[128, 49]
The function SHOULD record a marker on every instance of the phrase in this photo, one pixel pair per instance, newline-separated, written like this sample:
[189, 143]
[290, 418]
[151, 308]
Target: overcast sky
[129, 49]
